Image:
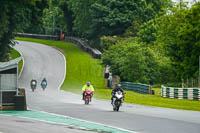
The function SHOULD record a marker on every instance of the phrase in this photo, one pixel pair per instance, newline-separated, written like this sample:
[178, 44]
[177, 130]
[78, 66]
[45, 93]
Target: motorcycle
[44, 85]
[87, 96]
[33, 84]
[117, 100]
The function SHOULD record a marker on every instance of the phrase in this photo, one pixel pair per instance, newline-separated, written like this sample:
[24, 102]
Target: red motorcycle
[87, 96]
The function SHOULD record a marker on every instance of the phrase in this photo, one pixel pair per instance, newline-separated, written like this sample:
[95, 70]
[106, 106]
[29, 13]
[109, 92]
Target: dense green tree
[14, 16]
[134, 61]
[176, 35]
[93, 19]
[82, 16]
[189, 43]
[68, 17]
[34, 16]
[53, 18]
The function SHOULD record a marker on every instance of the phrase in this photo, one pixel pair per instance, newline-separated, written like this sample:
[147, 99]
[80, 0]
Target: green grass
[157, 100]
[15, 54]
[82, 68]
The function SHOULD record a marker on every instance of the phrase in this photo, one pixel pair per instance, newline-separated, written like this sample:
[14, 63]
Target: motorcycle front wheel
[86, 100]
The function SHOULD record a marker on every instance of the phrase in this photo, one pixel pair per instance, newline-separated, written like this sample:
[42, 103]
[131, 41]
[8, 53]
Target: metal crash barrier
[137, 87]
[181, 93]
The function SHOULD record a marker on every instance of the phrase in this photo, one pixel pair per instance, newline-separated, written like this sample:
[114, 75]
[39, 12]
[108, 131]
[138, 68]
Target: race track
[43, 61]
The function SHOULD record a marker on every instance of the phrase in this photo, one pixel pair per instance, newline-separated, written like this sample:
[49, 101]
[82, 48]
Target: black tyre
[86, 100]
[117, 109]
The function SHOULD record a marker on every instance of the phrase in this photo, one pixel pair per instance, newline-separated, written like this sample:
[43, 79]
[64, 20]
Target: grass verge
[15, 54]
[82, 68]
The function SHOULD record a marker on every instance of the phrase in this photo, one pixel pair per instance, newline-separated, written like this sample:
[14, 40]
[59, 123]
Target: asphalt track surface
[10, 124]
[43, 61]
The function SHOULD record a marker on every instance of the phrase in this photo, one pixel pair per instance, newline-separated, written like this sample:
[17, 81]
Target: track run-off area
[65, 111]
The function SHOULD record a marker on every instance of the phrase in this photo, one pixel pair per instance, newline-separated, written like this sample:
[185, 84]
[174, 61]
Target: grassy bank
[82, 68]
[15, 54]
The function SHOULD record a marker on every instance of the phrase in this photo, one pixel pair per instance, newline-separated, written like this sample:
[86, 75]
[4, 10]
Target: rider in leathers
[85, 87]
[117, 88]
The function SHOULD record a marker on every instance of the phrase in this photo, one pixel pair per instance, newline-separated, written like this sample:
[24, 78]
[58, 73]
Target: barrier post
[182, 83]
[150, 88]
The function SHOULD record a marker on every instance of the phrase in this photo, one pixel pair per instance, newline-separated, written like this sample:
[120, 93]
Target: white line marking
[64, 69]
[22, 65]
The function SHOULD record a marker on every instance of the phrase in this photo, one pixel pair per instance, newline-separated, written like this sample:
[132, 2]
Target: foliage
[178, 34]
[189, 43]
[15, 16]
[34, 23]
[134, 61]
[53, 18]
[68, 17]
[167, 49]
[93, 19]
[107, 41]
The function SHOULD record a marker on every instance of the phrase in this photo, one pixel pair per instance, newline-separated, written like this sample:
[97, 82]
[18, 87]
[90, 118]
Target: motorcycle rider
[33, 84]
[85, 87]
[44, 83]
[117, 88]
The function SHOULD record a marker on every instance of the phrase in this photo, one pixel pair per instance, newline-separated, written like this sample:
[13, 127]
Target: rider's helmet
[118, 86]
[88, 83]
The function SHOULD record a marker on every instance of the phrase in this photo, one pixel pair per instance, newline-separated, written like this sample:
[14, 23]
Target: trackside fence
[181, 93]
[39, 36]
[137, 87]
[83, 44]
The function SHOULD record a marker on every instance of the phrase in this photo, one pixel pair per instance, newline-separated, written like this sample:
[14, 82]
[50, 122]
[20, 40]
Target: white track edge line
[64, 69]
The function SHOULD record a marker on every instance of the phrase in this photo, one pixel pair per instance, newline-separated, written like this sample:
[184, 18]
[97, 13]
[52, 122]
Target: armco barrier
[84, 45]
[80, 42]
[38, 36]
[137, 87]
[181, 93]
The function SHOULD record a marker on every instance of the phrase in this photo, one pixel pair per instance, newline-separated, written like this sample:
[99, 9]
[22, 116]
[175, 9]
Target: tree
[134, 61]
[189, 43]
[35, 16]
[14, 16]
[176, 34]
[93, 19]
[68, 17]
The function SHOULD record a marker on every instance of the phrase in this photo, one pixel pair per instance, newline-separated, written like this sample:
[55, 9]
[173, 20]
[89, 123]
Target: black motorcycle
[33, 84]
